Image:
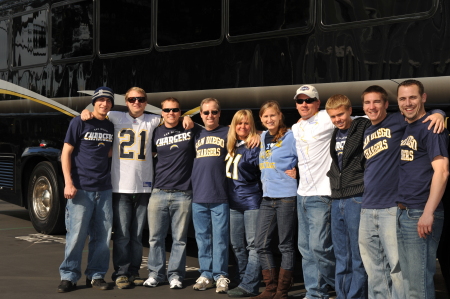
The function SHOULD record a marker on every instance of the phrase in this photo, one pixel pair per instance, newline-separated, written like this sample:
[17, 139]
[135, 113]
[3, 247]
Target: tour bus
[54, 53]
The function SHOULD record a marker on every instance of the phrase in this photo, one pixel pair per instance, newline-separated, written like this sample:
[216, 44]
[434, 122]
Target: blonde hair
[282, 129]
[232, 136]
[137, 89]
[338, 100]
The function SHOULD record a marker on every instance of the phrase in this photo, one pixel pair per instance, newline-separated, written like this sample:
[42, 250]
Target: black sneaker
[66, 286]
[99, 284]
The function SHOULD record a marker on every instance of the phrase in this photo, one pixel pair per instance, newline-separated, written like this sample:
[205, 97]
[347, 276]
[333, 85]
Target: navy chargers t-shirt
[176, 152]
[382, 152]
[209, 183]
[419, 147]
[341, 138]
[92, 140]
[244, 178]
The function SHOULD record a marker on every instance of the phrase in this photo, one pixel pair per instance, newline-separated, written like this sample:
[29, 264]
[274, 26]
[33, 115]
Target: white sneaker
[176, 284]
[202, 283]
[222, 284]
[151, 282]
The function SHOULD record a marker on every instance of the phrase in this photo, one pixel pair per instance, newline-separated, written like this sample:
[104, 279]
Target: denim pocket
[392, 211]
[414, 213]
[357, 199]
[325, 199]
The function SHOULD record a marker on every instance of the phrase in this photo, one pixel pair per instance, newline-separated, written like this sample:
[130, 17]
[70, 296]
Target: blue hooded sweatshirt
[274, 162]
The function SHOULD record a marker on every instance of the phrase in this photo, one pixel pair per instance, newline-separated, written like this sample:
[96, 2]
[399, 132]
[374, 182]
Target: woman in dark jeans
[244, 196]
[278, 155]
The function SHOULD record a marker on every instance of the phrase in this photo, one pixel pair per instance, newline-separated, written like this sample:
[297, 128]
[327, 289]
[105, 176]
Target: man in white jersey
[132, 181]
[313, 135]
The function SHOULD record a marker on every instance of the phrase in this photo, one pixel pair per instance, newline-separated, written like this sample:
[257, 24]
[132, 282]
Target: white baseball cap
[308, 90]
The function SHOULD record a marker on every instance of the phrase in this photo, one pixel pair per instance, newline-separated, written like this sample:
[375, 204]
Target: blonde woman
[244, 196]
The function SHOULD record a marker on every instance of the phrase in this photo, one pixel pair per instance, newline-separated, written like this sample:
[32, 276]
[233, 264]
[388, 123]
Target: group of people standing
[367, 201]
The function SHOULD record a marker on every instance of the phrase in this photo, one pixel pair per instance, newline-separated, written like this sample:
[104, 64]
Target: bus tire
[46, 203]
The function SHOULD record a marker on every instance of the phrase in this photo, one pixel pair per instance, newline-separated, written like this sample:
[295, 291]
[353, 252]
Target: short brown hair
[376, 89]
[170, 99]
[412, 82]
[337, 101]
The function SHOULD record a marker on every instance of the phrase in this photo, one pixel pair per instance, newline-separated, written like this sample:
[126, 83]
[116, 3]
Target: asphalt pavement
[30, 262]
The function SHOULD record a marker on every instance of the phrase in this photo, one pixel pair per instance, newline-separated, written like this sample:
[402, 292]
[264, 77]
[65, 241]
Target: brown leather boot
[285, 282]
[270, 278]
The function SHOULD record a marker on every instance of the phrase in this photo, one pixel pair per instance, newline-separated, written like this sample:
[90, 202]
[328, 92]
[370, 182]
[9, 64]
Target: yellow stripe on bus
[4, 91]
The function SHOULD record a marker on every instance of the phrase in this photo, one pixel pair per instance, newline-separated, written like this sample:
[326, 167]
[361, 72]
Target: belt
[401, 206]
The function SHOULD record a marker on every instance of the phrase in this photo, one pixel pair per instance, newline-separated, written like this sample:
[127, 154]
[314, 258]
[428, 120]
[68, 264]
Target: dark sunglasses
[308, 101]
[167, 110]
[213, 112]
[134, 99]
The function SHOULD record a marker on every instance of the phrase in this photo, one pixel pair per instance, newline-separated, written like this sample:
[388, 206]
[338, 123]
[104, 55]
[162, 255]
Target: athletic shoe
[122, 282]
[176, 284]
[66, 286]
[99, 284]
[222, 284]
[136, 279]
[151, 282]
[202, 284]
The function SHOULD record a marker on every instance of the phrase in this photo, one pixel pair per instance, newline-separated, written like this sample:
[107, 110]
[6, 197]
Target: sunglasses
[213, 112]
[134, 99]
[167, 110]
[308, 101]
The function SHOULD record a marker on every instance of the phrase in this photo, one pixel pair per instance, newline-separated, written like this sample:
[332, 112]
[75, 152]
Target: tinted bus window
[257, 16]
[3, 44]
[191, 21]
[125, 25]
[337, 12]
[72, 30]
[29, 39]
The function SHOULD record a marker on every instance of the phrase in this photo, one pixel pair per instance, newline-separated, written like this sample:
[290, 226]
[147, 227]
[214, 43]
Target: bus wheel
[46, 203]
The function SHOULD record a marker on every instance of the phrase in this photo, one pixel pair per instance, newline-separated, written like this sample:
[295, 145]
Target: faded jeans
[379, 252]
[168, 209]
[88, 213]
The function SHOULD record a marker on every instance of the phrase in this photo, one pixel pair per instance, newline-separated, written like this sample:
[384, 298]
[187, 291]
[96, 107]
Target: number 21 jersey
[132, 162]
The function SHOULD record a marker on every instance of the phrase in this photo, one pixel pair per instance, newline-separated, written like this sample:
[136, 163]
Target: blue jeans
[275, 211]
[315, 245]
[168, 209]
[88, 213]
[242, 237]
[129, 219]
[211, 223]
[417, 255]
[379, 252]
[351, 278]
